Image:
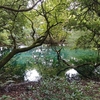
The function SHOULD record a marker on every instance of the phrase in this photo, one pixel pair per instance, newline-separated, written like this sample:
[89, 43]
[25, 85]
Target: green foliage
[4, 97]
[44, 59]
[79, 56]
[57, 88]
[16, 67]
[82, 56]
[70, 21]
[63, 19]
[97, 73]
[4, 39]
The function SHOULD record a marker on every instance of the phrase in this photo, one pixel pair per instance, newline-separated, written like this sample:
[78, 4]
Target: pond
[44, 59]
[47, 56]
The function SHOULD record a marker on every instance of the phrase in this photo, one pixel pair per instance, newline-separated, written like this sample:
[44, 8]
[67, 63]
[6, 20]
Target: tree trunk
[7, 58]
[15, 51]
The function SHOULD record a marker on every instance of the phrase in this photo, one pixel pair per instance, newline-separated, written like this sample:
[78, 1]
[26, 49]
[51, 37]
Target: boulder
[72, 75]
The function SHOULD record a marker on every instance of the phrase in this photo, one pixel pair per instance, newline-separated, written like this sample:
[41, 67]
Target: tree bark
[39, 42]
[7, 58]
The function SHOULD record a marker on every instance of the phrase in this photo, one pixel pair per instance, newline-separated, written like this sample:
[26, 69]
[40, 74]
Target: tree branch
[20, 10]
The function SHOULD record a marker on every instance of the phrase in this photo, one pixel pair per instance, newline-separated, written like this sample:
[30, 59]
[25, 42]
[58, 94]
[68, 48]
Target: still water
[47, 57]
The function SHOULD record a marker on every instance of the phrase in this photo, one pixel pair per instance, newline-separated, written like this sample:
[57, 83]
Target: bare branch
[20, 10]
[32, 26]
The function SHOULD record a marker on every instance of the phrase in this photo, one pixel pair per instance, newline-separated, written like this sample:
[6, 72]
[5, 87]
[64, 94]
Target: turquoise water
[47, 56]
[44, 60]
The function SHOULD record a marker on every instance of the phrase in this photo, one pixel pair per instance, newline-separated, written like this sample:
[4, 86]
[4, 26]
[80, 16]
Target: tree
[34, 22]
[29, 25]
[85, 18]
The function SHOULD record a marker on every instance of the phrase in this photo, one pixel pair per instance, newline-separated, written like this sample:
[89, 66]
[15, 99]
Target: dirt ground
[23, 90]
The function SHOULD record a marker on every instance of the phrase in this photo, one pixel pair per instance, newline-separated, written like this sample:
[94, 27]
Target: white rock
[71, 75]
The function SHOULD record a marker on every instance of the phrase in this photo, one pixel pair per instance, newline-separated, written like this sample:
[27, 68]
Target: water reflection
[32, 75]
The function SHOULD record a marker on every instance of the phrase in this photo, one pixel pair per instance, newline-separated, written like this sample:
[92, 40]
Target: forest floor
[43, 91]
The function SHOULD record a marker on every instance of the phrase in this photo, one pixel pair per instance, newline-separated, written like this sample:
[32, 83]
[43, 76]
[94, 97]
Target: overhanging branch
[20, 10]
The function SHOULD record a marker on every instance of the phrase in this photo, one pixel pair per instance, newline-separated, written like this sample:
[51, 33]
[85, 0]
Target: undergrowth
[58, 89]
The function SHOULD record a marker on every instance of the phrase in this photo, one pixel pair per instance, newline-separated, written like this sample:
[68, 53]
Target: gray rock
[72, 75]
